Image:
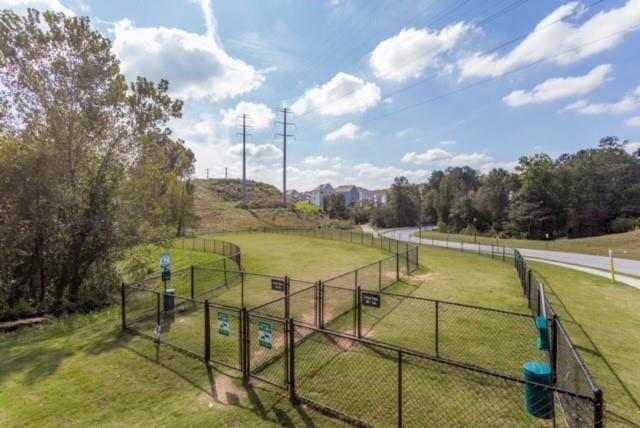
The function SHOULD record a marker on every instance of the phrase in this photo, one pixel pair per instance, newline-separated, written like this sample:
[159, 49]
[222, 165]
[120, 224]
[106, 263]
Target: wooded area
[87, 165]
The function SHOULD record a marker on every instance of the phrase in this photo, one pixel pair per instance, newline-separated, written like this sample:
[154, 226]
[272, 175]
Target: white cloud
[20, 6]
[448, 142]
[632, 147]
[265, 151]
[407, 54]
[564, 42]
[197, 66]
[560, 87]
[405, 132]
[343, 94]
[380, 176]
[321, 160]
[260, 116]
[633, 121]
[438, 156]
[626, 104]
[348, 131]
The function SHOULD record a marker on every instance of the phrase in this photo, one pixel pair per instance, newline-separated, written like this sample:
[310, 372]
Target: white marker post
[613, 267]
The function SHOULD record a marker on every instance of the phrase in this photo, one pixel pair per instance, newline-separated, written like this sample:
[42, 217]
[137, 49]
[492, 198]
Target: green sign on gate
[265, 338]
[224, 328]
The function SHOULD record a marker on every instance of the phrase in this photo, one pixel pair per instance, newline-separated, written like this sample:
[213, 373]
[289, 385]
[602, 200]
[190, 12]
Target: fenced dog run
[352, 348]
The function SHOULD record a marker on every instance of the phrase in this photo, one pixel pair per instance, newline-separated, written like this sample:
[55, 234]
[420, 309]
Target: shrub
[442, 227]
[624, 224]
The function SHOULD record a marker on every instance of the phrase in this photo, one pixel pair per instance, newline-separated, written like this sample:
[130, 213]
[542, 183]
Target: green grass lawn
[602, 319]
[624, 245]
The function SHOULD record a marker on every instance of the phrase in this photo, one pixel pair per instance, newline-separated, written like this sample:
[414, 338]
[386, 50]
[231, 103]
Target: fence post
[245, 351]
[400, 410]
[321, 304]
[359, 312]
[407, 257]
[224, 268]
[124, 307]
[598, 409]
[292, 363]
[379, 275]
[316, 309]
[286, 297]
[397, 267]
[461, 245]
[437, 327]
[192, 281]
[207, 333]
[554, 348]
[355, 278]
[242, 289]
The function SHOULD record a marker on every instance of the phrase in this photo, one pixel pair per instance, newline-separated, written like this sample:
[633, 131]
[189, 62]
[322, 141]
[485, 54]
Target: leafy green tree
[360, 212]
[334, 206]
[403, 203]
[86, 162]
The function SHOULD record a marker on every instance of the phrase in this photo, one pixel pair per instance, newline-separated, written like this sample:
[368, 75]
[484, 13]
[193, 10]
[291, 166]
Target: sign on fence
[224, 328]
[165, 261]
[370, 299]
[277, 284]
[264, 334]
[166, 275]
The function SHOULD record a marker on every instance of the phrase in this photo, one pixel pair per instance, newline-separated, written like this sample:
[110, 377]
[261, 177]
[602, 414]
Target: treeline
[88, 166]
[591, 192]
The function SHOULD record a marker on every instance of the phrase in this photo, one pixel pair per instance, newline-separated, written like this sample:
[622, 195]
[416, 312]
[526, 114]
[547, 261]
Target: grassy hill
[218, 207]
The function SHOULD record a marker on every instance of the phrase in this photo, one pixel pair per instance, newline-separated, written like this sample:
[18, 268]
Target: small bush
[22, 309]
[624, 224]
[442, 227]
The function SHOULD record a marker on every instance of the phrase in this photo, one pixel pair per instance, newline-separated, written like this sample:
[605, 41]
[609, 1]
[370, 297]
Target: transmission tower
[244, 134]
[285, 133]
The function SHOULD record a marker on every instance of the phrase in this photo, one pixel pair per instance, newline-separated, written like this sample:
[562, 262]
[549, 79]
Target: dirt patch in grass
[430, 276]
[225, 391]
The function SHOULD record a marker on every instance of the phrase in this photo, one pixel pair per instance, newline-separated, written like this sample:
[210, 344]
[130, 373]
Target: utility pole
[225, 173]
[285, 112]
[207, 173]
[244, 134]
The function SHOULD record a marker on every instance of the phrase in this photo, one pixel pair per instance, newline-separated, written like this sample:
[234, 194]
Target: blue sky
[381, 88]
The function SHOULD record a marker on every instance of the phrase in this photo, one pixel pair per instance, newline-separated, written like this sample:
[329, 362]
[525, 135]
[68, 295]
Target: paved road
[631, 267]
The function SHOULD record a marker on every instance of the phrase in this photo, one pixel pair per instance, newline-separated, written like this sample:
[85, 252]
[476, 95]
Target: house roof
[345, 188]
[322, 187]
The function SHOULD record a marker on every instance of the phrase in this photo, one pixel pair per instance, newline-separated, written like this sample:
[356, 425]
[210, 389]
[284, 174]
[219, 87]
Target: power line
[490, 79]
[486, 52]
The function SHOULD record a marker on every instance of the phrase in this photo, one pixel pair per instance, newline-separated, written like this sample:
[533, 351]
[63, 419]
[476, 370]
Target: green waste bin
[543, 331]
[539, 400]
[169, 299]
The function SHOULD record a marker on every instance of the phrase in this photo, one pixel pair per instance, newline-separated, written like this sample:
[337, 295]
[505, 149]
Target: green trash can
[543, 330]
[539, 400]
[169, 298]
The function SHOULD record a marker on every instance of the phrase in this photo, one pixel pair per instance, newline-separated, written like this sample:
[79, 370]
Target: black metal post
[157, 308]
[193, 281]
[437, 328]
[321, 304]
[359, 311]
[355, 279]
[245, 351]
[287, 308]
[207, 333]
[397, 267]
[124, 307]
[554, 348]
[407, 257]
[242, 289]
[224, 267]
[400, 411]
[292, 363]
[379, 275]
[598, 409]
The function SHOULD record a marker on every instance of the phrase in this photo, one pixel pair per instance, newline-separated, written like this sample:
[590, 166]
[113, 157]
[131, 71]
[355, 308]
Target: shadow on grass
[594, 350]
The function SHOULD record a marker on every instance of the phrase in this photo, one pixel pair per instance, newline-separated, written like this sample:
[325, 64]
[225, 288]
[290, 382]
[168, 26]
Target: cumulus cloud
[265, 151]
[343, 94]
[626, 104]
[321, 160]
[633, 121]
[197, 66]
[438, 156]
[407, 54]
[632, 147]
[405, 132]
[560, 87]
[20, 6]
[564, 42]
[378, 176]
[260, 116]
[348, 131]
[448, 142]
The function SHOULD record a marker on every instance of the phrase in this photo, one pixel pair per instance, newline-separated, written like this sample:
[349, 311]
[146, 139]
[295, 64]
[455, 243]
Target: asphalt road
[631, 267]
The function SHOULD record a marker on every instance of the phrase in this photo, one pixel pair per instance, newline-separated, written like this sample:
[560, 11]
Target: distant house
[365, 194]
[318, 194]
[293, 195]
[378, 197]
[350, 192]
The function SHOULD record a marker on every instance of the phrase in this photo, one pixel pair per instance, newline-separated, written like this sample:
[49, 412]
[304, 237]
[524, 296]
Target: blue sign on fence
[165, 261]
